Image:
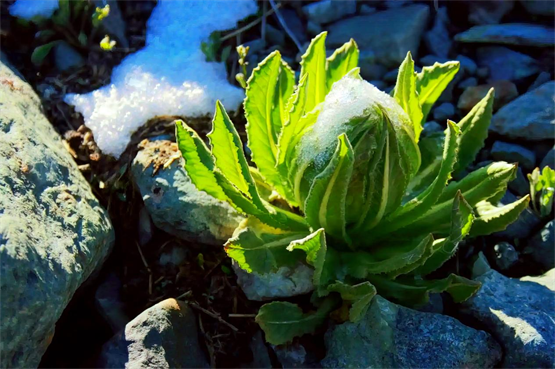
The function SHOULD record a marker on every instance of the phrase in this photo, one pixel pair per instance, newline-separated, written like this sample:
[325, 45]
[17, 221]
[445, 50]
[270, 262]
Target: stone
[292, 355]
[549, 159]
[468, 66]
[505, 91]
[145, 228]
[505, 255]
[367, 9]
[172, 256]
[295, 24]
[381, 85]
[285, 282]
[53, 231]
[313, 29]
[482, 72]
[261, 358]
[546, 280]
[275, 36]
[391, 76]
[519, 34]
[540, 247]
[488, 12]
[469, 82]
[431, 59]
[393, 336]
[113, 24]
[66, 57]
[437, 39]
[431, 126]
[520, 185]
[521, 228]
[530, 116]
[520, 316]
[256, 46]
[327, 11]
[434, 304]
[444, 112]
[503, 151]
[542, 78]
[108, 303]
[392, 34]
[539, 7]
[174, 203]
[506, 64]
[480, 266]
[163, 336]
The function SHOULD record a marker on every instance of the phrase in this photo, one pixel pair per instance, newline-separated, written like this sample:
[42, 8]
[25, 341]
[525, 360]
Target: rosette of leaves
[542, 187]
[344, 183]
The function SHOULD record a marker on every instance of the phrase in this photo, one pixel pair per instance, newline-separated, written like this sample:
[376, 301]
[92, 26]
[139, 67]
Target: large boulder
[530, 116]
[389, 34]
[392, 336]
[174, 203]
[519, 314]
[53, 231]
[163, 336]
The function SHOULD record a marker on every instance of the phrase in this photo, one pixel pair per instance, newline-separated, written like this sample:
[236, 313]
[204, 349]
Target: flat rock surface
[520, 34]
[530, 116]
[519, 314]
[389, 34]
[53, 231]
[163, 336]
[392, 336]
[174, 203]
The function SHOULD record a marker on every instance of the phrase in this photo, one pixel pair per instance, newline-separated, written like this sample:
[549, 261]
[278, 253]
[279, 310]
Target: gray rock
[437, 39]
[293, 355]
[480, 266]
[530, 116]
[520, 185]
[327, 11]
[519, 314]
[261, 358]
[313, 29]
[66, 58]
[391, 76]
[174, 203]
[444, 112]
[482, 72]
[546, 280]
[285, 282]
[381, 85]
[434, 304]
[503, 151]
[542, 78]
[488, 12]
[256, 46]
[113, 24]
[163, 336]
[539, 7]
[468, 66]
[367, 9]
[432, 126]
[523, 226]
[519, 34]
[53, 231]
[431, 59]
[392, 34]
[275, 36]
[506, 64]
[392, 336]
[505, 91]
[505, 255]
[469, 82]
[541, 247]
[108, 302]
[145, 228]
[172, 256]
[549, 159]
[295, 24]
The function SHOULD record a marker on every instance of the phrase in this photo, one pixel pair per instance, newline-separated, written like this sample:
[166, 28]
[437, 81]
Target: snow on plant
[368, 204]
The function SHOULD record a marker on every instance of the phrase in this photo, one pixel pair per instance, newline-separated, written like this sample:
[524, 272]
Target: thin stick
[242, 315]
[263, 25]
[215, 316]
[142, 256]
[183, 295]
[249, 26]
[284, 25]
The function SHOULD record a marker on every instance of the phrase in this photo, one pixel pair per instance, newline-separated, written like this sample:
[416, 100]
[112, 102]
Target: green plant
[341, 184]
[69, 24]
[542, 186]
[211, 47]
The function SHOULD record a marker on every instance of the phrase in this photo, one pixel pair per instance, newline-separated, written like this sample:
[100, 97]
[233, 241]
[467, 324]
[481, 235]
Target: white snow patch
[168, 77]
[28, 9]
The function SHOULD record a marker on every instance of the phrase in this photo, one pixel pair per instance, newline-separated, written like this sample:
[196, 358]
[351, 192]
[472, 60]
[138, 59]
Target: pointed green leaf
[199, 163]
[431, 151]
[488, 183]
[261, 129]
[325, 205]
[314, 245]
[260, 248]
[358, 295]
[418, 206]
[432, 81]
[474, 127]
[462, 219]
[41, 52]
[313, 65]
[491, 218]
[416, 292]
[406, 96]
[341, 62]
[283, 321]
[227, 149]
[284, 89]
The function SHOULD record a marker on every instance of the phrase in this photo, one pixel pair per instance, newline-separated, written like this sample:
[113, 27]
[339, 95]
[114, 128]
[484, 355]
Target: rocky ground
[150, 272]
